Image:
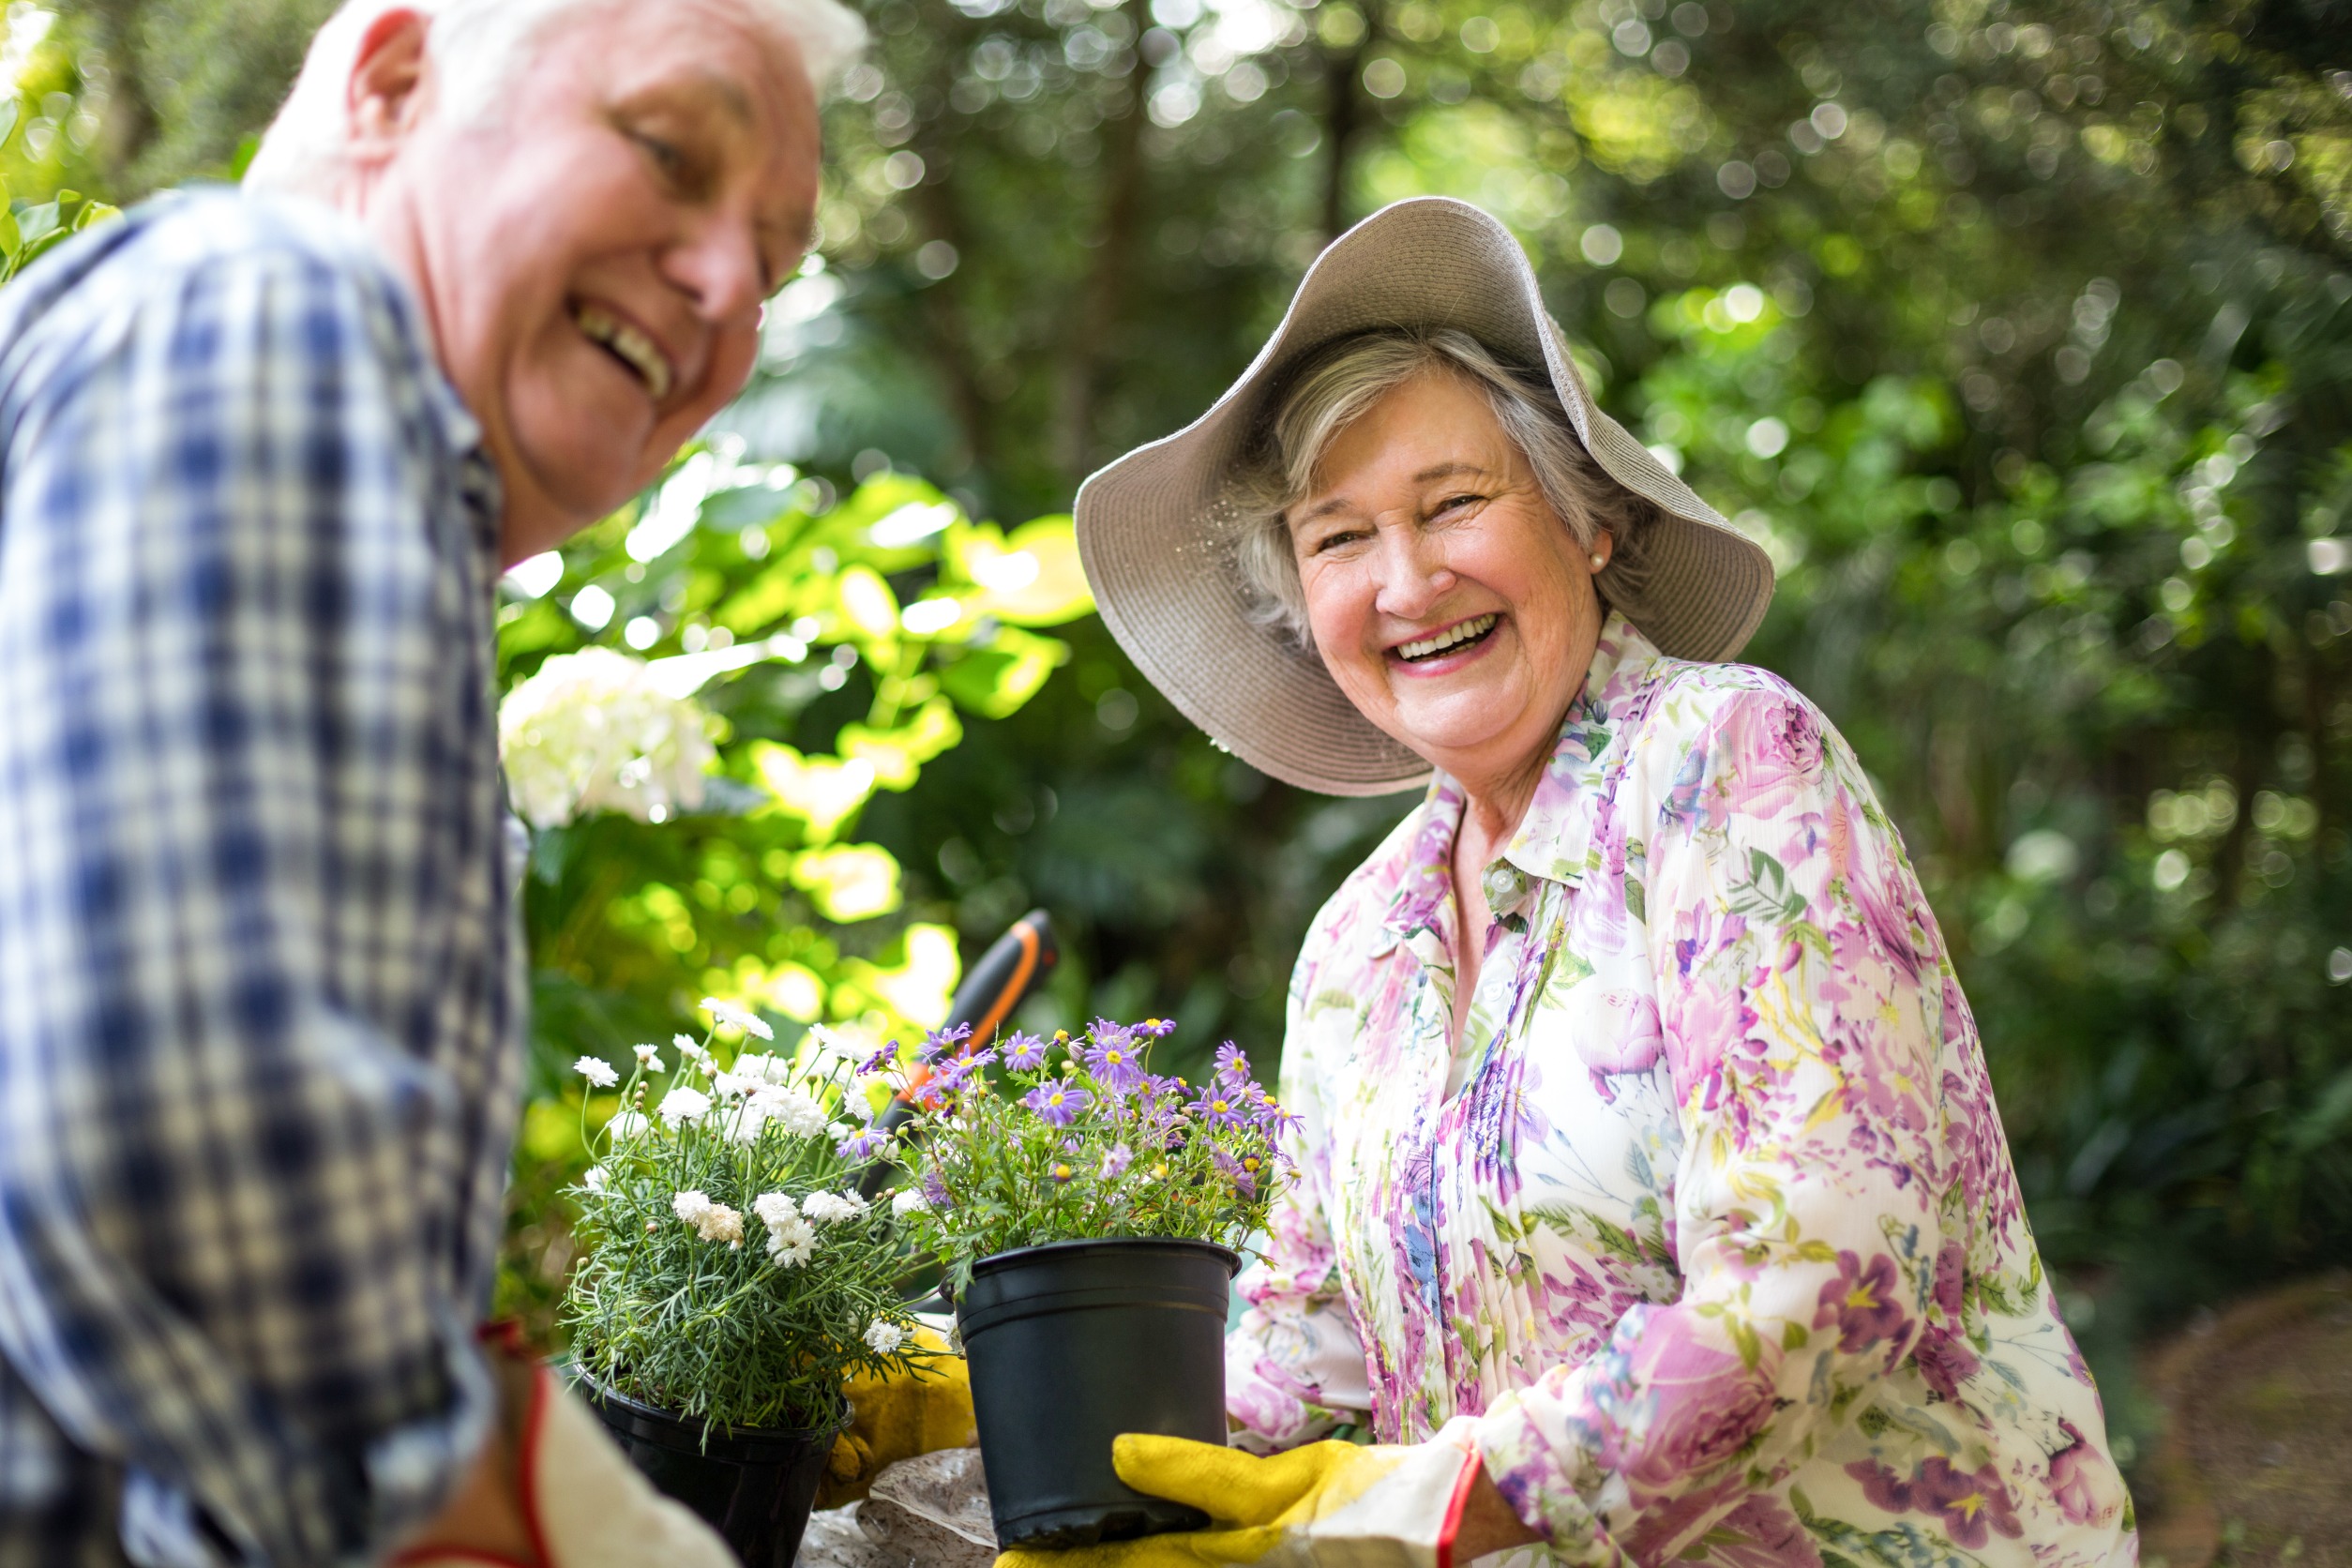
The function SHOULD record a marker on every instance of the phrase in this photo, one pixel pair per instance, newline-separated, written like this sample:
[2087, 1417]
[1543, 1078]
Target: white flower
[596, 1070]
[593, 732]
[832, 1208]
[789, 1109]
[593, 1181]
[745, 1122]
[650, 1056]
[908, 1201]
[883, 1337]
[758, 1067]
[791, 1241]
[626, 1124]
[713, 1222]
[682, 1106]
[688, 1048]
[726, 1012]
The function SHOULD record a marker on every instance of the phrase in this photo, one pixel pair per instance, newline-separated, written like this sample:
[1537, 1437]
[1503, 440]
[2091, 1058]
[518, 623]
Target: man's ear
[387, 79]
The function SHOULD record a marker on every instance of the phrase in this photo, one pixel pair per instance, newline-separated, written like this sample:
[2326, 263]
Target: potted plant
[1086, 1209]
[730, 1278]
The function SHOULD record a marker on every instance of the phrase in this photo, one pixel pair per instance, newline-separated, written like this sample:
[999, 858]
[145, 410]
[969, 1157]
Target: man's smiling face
[593, 254]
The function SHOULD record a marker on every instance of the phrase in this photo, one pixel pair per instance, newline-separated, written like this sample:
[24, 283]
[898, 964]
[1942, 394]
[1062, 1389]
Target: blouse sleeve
[1801, 994]
[1294, 1364]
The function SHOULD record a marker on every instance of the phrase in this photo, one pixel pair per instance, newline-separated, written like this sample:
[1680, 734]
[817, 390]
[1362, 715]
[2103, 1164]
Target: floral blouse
[1711, 1219]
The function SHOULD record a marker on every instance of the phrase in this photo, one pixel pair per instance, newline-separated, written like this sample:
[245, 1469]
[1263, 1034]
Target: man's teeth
[1453, 636]
[633, 347]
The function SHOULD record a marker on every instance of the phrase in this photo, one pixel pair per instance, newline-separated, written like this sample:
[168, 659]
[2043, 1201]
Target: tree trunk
[1343, 116]
[1087, 358]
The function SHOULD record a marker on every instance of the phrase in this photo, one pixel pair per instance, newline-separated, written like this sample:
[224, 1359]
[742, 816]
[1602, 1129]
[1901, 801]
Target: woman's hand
[1385, 1506]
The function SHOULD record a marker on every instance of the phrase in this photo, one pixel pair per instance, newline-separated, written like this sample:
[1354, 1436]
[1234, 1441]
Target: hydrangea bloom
[591, 731]
[596, 1070]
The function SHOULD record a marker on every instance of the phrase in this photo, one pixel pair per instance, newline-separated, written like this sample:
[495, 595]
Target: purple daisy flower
[1024, 1053]
[1236, 1172]
[1057, 1104]
[939, 1042]
[1159, 1028]
[935, 1189]
[885, 1056]
[1116, 1160]
[952, 1077]
[1221, 1105]
[864, 1144]
[1232, 1064]
[1114, 1063]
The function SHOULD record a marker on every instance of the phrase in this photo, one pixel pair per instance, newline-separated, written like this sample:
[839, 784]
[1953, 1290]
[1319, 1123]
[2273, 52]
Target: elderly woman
[1652, 1202]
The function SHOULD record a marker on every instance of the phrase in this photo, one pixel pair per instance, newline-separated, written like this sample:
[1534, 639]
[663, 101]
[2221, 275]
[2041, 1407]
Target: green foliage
[1074, 1139]
[2018, 331]
[835, 644]
[727, 1269]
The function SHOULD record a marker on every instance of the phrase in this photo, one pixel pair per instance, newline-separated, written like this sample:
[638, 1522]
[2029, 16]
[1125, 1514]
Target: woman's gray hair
[1335, 385]
[480, 47]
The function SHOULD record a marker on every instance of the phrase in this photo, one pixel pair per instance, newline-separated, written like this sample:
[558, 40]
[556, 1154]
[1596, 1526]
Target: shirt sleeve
[1294, 1364]
[238, 1138]
[1801, 994]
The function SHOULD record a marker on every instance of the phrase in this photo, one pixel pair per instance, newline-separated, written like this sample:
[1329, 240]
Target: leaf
[996, 680]
[1033, 578]
[848, 882]
[897, 754]
[822, 792]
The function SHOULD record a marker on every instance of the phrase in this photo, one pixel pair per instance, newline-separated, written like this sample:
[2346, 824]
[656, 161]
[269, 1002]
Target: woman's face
[1447, 598]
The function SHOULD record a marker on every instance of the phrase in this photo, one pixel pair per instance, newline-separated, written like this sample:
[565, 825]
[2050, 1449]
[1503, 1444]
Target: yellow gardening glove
[1326, 1505]
[896, 1418]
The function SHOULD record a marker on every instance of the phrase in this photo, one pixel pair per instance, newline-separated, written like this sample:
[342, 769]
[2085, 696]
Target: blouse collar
[1555, 838]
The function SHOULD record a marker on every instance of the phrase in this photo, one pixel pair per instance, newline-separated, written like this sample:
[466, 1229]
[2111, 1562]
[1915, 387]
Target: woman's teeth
[1453, 636]
[632, 347]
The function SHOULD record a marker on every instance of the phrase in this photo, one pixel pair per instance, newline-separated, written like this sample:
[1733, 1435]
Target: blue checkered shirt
[260, 986]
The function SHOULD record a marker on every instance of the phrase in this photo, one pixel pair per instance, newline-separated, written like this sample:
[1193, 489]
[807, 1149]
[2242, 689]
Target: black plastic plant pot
[754, 1485]
[1069, 1346]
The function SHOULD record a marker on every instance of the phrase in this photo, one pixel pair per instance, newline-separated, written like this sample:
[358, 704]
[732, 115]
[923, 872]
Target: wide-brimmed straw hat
[1158, 529]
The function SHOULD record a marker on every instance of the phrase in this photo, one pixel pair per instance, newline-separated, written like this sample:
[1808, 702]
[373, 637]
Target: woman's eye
[666, 155]
[1334, 539]
[1456, 502]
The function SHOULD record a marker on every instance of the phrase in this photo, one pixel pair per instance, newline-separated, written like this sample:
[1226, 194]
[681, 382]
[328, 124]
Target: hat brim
[1157, 529]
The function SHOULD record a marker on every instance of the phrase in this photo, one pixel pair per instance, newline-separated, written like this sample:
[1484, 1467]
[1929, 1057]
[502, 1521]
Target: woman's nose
[718, 265]
[1414, 575]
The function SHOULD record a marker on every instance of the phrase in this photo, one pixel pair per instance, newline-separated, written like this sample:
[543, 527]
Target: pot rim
[996, 1260]
[785, 1436]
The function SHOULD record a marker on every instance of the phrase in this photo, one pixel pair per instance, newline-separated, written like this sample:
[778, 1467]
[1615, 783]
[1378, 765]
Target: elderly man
[261, 1011]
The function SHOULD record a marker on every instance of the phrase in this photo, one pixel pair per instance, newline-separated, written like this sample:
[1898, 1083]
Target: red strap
[1474, 1466]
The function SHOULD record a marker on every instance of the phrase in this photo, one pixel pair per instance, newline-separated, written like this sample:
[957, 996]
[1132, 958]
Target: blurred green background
[2020, 332]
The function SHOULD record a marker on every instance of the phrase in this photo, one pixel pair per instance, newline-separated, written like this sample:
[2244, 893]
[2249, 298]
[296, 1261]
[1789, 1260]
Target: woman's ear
[1604, 550]
[386, 97]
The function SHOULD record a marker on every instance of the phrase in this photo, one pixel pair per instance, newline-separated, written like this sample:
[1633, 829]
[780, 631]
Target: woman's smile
[1449, 648]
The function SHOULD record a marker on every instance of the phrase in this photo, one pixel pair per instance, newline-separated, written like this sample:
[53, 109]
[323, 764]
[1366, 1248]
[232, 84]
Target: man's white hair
[478, 47]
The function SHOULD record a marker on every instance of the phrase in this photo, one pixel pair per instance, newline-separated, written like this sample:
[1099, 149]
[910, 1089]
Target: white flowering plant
[1034, 1140]
[729, 1268]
